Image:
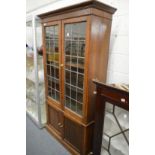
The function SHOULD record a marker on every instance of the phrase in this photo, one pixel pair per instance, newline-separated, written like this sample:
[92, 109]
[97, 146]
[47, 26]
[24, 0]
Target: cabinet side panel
[98, 56]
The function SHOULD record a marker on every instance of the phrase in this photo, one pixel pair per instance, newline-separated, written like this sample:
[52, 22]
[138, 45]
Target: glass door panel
[31, 104]
[74, 55]
[52, 63]
[116, 131]
[41, 84]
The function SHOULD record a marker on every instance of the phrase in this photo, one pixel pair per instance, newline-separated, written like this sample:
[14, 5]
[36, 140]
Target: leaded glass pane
[52, 64]
[75, 35]
[67, 102]
[79, 95]
[73, 78]
[73, 105]
[122, 117]
[116, 131]
[79, 108]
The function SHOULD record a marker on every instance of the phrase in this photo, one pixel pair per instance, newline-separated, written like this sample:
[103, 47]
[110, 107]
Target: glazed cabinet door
[52, 32]
[55, 119]
[74, 58]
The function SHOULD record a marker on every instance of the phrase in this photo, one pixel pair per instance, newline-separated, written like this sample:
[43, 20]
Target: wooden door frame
[85, 90]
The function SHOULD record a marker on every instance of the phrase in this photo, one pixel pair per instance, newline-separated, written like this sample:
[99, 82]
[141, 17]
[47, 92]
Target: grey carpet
[40, 142]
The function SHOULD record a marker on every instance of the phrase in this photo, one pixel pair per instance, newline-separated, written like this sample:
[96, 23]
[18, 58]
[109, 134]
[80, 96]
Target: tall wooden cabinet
[76, 44]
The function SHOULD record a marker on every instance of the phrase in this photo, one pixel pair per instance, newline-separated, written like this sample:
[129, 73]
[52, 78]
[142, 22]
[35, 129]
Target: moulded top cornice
[88, 4]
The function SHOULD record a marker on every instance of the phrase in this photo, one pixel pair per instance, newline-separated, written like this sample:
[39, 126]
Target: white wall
[34, 4]
[118, 66]
[56, 4]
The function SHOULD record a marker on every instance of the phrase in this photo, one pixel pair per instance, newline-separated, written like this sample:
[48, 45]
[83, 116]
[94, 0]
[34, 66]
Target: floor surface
[40, 142]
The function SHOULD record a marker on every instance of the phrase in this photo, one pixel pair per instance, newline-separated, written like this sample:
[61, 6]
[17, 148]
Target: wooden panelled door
[55, 120]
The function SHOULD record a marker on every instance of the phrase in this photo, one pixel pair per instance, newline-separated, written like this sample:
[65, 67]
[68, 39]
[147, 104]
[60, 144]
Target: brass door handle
[94, 92]
[61, 65]
[61, 126]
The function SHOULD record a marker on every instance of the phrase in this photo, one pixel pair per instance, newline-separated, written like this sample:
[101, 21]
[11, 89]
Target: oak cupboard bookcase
[76, 44]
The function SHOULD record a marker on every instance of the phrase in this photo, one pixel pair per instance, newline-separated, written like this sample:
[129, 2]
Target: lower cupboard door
[55, 119]
[73, 134]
